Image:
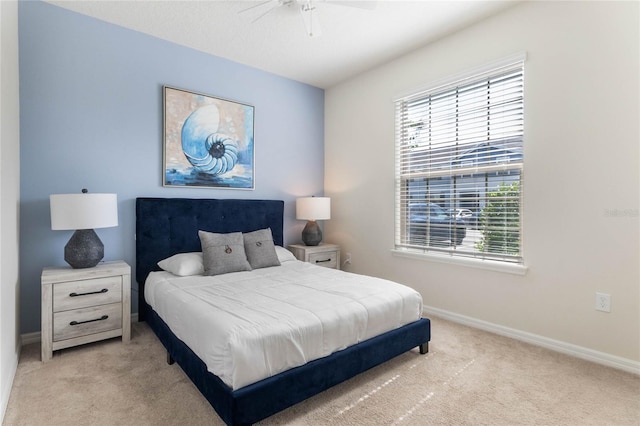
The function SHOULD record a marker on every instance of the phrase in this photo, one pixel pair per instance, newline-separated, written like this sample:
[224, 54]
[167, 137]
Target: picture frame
[208, 142]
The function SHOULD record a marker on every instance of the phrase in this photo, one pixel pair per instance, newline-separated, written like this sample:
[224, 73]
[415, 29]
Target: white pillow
[284, 255]
[183, 264]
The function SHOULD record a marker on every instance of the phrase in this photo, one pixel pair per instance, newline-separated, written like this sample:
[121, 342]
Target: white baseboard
[603, 358]
[34, 337]
[29, 338]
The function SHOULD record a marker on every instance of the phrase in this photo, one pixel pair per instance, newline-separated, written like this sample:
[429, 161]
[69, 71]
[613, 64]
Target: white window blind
[459, 161]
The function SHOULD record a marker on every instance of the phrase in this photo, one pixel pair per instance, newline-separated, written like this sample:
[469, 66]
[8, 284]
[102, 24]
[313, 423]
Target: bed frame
[166, 226]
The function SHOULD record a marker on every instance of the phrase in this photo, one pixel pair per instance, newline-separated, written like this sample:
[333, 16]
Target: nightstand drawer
[85, 293]
[80, 322]
[327, 259]
[327, 255]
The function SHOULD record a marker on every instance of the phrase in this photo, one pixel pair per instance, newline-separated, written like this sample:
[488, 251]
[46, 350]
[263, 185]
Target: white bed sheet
[247, 326]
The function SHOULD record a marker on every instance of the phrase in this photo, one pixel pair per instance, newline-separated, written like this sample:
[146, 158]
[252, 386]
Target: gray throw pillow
[223, 253]
[260, 249]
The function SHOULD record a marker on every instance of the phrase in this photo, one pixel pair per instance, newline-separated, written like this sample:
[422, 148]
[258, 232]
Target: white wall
[581, 170]
[9, 196]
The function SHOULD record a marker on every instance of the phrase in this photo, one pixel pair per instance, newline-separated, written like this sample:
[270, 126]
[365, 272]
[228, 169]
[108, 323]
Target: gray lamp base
[311, 234]
[84, 249]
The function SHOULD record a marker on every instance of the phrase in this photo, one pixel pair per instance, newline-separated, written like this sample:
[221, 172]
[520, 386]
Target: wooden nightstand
[85, 305]
[327, 255]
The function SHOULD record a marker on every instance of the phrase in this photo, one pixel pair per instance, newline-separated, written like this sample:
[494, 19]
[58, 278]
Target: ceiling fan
[307, 9]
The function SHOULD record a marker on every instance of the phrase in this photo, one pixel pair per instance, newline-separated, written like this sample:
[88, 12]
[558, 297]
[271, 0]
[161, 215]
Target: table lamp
[312, 209]
[83, 212]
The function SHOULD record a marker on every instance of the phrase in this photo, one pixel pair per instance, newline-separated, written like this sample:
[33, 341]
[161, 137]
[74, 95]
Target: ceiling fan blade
[266, 7]
[310, 19]
[258, 4]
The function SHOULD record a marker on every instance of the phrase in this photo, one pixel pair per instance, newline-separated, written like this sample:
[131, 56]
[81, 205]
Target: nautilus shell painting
[208, 141]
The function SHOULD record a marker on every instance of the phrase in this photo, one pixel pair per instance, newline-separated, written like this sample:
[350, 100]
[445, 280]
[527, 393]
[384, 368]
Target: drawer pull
[323, 261]
[74, 294]
[102, 318]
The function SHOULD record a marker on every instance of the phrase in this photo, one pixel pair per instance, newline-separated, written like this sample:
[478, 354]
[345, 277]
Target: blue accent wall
[91, 117]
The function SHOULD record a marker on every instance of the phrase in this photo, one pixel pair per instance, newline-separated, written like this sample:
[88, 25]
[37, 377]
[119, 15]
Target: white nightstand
[85, 305]
[327, 255]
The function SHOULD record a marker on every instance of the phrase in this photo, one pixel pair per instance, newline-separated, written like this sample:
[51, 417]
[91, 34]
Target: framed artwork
[208, 141]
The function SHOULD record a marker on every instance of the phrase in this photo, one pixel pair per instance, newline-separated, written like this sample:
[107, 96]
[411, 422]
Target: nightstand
[327, 255]
[85, 305]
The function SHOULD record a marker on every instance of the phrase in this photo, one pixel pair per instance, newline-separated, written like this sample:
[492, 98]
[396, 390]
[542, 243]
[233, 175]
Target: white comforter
[247, 326]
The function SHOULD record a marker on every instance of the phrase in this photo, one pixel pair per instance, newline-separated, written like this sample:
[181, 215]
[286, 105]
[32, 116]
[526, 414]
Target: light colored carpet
[469, 377]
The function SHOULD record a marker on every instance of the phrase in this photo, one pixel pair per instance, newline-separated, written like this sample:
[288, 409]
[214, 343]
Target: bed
[167, 226]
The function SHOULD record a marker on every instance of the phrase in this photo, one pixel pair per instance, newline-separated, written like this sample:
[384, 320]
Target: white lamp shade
[83, 211]
[313, 208]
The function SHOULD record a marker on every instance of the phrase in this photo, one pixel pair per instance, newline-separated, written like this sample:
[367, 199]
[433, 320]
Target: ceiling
[356, 35]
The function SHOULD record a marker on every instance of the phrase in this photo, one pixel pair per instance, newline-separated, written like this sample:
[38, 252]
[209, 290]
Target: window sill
[490, 265]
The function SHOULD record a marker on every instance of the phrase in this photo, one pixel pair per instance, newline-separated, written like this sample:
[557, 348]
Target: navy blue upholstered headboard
[166, 226]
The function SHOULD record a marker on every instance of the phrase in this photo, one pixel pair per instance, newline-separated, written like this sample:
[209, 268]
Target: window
[459, 160]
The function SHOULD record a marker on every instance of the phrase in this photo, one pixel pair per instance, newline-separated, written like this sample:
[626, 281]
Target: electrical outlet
[347, 259]
[603, 302]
